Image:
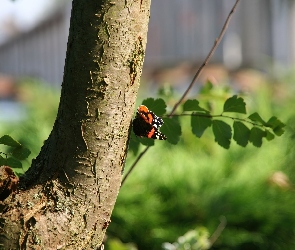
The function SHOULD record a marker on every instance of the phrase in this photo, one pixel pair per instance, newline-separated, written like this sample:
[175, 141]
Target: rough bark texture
[68, 194]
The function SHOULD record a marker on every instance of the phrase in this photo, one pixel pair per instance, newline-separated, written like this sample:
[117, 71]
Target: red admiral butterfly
[147, 124]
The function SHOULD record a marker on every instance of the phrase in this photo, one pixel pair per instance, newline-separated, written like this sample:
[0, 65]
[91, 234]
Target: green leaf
[133, 144]
[206, 88]
[172, 129]
[222, 133]
[193, 105]
[255, 117]
[199, 124]
[278, 131]
[21, 153]
[146, 141]
[256, 135]
[158, 106]
[9, 141]
[276, 125]
[269, 136]
[274, 122]
[3, 161]
[235, 104]
[13, 163]
[241, 133]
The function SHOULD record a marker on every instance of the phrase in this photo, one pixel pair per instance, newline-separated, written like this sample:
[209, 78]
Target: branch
[134, 164]
[216, 43]
[207, 59]
[221, 115]
[218, 230]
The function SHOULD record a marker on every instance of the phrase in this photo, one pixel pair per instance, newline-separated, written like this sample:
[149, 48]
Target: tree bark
[66, 198]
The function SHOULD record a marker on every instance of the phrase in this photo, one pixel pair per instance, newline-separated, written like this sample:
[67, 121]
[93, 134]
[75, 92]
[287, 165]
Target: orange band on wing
[145, 114]
[142, 109]
[151, 133]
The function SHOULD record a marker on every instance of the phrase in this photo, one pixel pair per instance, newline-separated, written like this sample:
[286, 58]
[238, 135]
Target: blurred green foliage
[197, 239]
[175, 189]
[39, 102]
[15, 152]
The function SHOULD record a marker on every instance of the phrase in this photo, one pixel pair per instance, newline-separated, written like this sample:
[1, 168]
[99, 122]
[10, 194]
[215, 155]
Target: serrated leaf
[269, 136]
[256, 135]
[235, 104]
[276, 125]
[199, 124]
[222, 133]
[20, 153]
[9, 141]
[241, 133]
[274, 122]
[172, 129]
[13, 163]
[193, 105]
[278, 131]
[158, 106]
[255, 117]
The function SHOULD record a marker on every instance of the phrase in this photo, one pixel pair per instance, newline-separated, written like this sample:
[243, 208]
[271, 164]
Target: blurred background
[196, 184]
[33, 35]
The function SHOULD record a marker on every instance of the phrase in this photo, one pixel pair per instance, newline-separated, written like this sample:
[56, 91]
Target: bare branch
[134, 164]
[216, 43]
[218, 230]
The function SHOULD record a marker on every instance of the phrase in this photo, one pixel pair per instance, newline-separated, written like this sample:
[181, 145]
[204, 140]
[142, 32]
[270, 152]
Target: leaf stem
[240, 119]
[221, 115]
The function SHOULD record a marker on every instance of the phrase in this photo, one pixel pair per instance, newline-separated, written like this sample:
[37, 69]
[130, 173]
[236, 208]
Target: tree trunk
[66, 198]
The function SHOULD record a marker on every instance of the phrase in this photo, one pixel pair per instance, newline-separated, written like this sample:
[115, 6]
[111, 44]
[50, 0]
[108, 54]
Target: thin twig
[218, 230]
[216, 43]
[134, 164]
